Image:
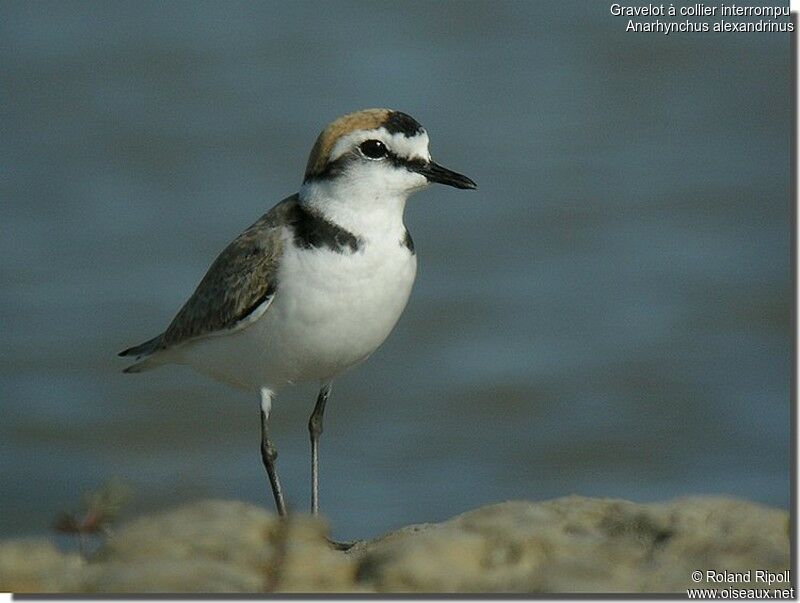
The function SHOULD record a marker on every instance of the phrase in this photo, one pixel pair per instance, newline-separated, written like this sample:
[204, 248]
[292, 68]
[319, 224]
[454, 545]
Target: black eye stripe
[336, 167]
[409, 164]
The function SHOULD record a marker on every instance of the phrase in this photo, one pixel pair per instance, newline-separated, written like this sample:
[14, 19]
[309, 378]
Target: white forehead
[413, 147]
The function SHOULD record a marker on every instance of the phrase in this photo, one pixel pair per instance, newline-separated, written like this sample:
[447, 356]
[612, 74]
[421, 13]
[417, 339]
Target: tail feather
[141, 366]
[143, 349]
[141, 354]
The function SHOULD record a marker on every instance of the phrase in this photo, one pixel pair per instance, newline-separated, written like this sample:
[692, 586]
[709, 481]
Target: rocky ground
[570, 544]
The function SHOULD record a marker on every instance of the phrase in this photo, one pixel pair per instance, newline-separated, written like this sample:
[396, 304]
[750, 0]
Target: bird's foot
[342, 546]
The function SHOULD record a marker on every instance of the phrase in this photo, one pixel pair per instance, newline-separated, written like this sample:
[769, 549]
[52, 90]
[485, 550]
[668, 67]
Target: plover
[318, 282]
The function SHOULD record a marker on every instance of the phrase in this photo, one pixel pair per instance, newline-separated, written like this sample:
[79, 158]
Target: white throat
[367, 209]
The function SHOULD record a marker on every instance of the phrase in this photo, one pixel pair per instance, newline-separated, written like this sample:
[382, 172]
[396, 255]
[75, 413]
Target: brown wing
[241, 278]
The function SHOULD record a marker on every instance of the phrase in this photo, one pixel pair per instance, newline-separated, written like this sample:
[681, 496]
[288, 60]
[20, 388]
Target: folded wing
[240, 283]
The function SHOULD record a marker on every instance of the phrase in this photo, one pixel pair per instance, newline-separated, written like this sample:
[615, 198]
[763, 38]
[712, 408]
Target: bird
[316, 284]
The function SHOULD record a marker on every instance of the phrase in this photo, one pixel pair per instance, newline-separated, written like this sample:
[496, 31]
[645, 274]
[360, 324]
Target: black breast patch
[408, 242]
[312, 230]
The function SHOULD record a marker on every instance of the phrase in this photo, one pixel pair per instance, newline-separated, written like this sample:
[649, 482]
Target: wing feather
[241, 280]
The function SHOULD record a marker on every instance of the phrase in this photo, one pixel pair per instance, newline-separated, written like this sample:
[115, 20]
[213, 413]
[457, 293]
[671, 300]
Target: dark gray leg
[315, 429]
[269, 454]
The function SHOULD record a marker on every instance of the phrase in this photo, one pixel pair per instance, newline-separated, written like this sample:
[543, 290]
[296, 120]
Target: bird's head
[375, 152]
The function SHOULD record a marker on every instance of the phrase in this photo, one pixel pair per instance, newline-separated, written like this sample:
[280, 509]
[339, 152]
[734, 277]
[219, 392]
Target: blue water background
[608, 315]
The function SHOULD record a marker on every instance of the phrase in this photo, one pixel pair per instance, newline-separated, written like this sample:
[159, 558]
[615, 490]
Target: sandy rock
[578, 545]
[571, 544]
[210, 546]
[169, 576]
[307, 563]
[230, 532]
[219, 546]
[36, 566]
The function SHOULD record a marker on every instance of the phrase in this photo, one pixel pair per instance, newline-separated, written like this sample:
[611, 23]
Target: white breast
[330, 312]
[334, 309]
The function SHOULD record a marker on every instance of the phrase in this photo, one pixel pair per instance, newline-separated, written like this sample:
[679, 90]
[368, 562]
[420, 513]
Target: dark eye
[374, 149]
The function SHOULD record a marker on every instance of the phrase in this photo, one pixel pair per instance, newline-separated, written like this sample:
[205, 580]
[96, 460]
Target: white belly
[330, 312]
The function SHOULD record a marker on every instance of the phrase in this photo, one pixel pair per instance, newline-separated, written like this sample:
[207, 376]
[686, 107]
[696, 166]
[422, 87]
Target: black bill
[436, 173]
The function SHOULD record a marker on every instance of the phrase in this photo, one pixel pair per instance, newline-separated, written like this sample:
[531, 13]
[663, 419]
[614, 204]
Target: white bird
[318, 282]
